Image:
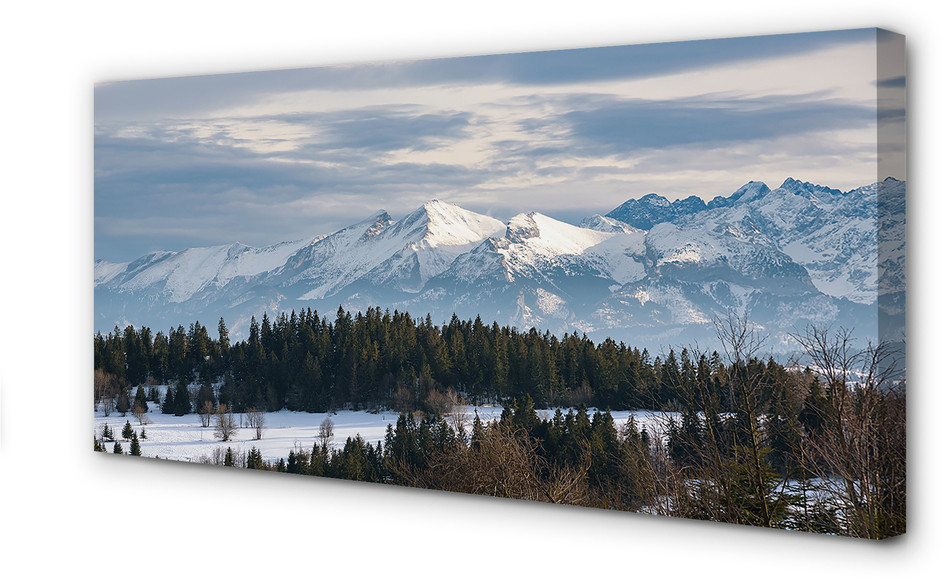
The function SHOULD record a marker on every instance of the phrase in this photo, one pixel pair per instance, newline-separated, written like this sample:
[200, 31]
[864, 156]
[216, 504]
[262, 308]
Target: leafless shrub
[206, 413]
[225, 423]
[256, 420]
[501, 463]
[326, 432]
[140, 414]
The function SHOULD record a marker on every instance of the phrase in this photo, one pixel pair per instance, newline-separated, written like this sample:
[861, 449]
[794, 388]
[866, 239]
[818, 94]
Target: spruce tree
[254, 460]
[169, 404]
[118, 449]
[123, 403]
[140, 399]
[181, 399]
[135, 445]
[127, 432]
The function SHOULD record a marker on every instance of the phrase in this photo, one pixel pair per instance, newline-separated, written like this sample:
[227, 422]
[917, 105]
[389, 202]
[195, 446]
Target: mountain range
[651, 272]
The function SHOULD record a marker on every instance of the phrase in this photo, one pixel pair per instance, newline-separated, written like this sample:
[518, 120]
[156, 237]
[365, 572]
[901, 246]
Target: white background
[64, 509]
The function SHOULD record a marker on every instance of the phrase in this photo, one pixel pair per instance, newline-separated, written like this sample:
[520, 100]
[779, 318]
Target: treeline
[376, 359]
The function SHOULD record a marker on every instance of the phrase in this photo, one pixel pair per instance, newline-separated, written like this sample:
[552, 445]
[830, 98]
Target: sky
[269, 156]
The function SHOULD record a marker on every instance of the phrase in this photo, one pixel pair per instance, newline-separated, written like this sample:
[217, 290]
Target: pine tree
[477, 431]
[123, 403]
[229, 461]
[135, 445]
[140, 399]
[169, 404]
[254, 460]
[181, 399]
[127, 431]
[118, 449]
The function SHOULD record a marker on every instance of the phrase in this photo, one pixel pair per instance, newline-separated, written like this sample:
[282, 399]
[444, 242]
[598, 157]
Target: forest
[817, 447]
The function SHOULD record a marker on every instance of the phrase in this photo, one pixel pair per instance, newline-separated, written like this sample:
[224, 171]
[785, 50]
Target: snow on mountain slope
[430, 239]
[406, 253]
[181, 275]
[105, 271]
[537, 247]
[546, 237]
[725, 256]
[607, 224]
[336, 259]
[832, 234]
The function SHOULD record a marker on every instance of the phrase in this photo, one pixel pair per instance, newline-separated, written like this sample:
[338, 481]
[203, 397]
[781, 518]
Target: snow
[429, 238]
[549, 303]
[607, 224]
[537, 243]
[687, 246]
[105, 271]
[185, 273]
[184, 438]
[557, 237]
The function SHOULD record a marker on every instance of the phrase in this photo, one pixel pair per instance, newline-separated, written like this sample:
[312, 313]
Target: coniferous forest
[743, 439]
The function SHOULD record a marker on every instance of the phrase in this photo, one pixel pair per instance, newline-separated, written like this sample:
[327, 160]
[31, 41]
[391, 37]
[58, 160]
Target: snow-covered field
[183, 438]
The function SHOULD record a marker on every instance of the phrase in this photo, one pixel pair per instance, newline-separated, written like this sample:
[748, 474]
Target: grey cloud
[627, 125]
[381, 130]
[194, 95]
[600, 125]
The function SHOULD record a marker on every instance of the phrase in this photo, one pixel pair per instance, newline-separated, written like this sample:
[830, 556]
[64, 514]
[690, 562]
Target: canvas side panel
[891, 198]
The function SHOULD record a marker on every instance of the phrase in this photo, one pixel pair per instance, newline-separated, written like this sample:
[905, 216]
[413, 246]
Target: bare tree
[256, 420]
[503, 463]
[140, 414]
[206, 413]
[218, 456]
[225, 423]
[326, 432]
[715, 466]
[106, 405]
[106, 390]
[439, 403]
[859, 451]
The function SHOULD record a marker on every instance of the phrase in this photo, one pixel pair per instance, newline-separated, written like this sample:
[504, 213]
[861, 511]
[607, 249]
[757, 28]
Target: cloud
[200, 95]
[376, 129]
[627, 125]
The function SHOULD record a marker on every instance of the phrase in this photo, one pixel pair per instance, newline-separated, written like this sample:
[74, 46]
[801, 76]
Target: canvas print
[665, 279]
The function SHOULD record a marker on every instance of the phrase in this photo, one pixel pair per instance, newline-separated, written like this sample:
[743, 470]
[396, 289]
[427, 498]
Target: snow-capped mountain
[651, 272]
[838, 237]
[831, 233]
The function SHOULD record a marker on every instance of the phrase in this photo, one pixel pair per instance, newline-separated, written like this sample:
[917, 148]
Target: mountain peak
[606, 224]
[377, 223]
[442, 210]
[808, 190]
[648, 211]
[655, 199]
[439, 222]
[522, 227]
